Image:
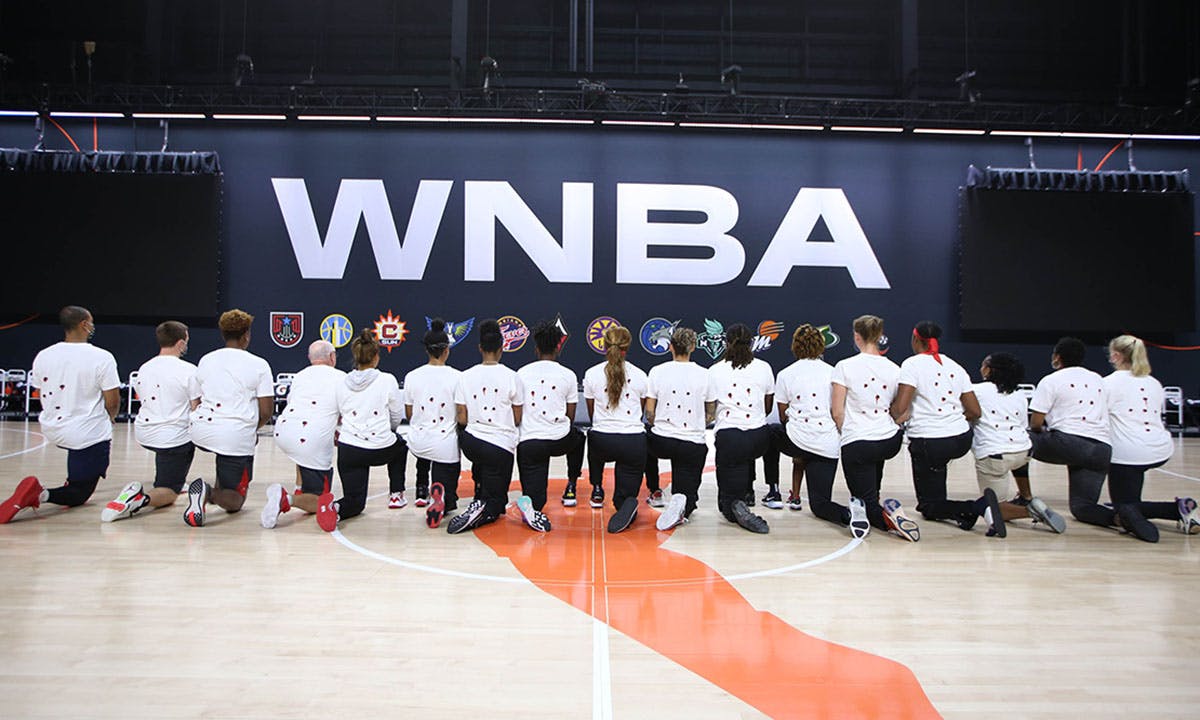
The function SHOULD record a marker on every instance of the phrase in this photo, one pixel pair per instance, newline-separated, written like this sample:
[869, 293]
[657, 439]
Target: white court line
[28, 449]
[337, 534]
[1175, 474]
[602, 657]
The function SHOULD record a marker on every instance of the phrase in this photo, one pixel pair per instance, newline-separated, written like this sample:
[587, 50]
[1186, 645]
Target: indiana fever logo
[390, 331]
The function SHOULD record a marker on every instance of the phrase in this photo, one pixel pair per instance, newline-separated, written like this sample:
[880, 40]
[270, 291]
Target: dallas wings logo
[455, 330]
[390, 331]
[768, 332]
[287, 328]
[712, 340]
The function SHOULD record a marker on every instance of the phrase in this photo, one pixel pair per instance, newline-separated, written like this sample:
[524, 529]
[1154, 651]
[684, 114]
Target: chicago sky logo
[337, 330]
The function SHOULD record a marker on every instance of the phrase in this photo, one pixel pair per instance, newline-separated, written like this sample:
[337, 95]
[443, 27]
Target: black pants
[819, 471]
[444, 473]
[85, 467]
[1087, 463]
[627, 451]
[491, 468]
[862, 463]
[736, 452]
[423, 467]
[930, 456]
[354, 466]
[687, 465]
[533, 463]
[1125, 488]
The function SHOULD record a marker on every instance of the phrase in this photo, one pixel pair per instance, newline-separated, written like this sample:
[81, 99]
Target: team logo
[831, 338]
[712, 340]
[390, 331]
[514, 332]
[656, 335]
[768, 332]
[562, 328]
[595, 332]
[337, 330]
[882, 344]
[456, 331]
[287, 328]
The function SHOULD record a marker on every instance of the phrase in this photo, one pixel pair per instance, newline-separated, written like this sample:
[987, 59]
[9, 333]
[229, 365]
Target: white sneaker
[397, 501]
[1189, 515]
[129, 501]
[672, 514]
[535, 519]
[860, 526]
[277, 502]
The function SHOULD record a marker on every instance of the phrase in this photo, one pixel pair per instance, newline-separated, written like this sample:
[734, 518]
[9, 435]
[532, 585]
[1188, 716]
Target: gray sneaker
[860, 526]
[1041, 512]
[748, 520]
[672, 514]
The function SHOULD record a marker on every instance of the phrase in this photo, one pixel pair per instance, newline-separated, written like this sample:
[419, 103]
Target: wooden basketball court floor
[148, 617]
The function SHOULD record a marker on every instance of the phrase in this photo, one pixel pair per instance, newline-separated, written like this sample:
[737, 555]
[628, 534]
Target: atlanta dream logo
[287, 328]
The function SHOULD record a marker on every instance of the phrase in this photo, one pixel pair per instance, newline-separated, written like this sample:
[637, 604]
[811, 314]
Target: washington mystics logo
[287, 328]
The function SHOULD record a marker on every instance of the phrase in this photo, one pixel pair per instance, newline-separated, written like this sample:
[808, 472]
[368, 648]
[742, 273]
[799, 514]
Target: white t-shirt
[165, 386]
[626, 417]
[680, 390]
[1073, 401]
[304, 430]
[1002, 428]
[432, 429]
[937, 410]
[489, 393]
[740, 393]
[805, 387]
[231, 381]
[371, 406]
[1135, 419]
[870, 382]
[71, 377]
[549, 388]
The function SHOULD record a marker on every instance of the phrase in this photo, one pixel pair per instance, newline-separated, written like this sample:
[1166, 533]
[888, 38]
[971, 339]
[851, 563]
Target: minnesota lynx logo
[712, 340]
[656, 335]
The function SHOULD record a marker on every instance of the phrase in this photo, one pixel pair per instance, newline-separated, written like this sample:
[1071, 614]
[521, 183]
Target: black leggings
[820, 472]
[627, 451]
[354, 466]
[1125, 488]
[687, 465]
[533, 463]
[491, 468]
[737, 451]
[862, 463]
[930, 456]
[85, 467]
[444, 473]
[1087, 463]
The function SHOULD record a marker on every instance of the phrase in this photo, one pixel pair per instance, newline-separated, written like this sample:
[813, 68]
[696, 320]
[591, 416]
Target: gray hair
[320, 350]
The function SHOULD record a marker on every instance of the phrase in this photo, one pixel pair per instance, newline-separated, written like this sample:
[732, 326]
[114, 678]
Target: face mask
[92, 331]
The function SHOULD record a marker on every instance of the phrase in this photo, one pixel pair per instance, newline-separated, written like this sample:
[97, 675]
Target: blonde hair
[807, 342]
[869, 328]
[365, 348]
[234, 323]
[616, 344]
[1133, 351]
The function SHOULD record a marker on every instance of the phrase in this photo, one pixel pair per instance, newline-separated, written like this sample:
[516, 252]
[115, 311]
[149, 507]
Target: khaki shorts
[993, 471]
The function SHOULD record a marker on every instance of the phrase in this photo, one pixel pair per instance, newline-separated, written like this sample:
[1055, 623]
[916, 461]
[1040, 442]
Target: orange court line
[705, 624]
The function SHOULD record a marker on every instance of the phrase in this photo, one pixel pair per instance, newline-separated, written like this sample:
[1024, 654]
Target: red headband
[932, 343]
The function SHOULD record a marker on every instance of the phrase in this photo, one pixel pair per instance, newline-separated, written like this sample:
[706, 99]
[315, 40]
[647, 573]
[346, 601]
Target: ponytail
[737, 345]
[1133, 351]
[616, 344]
[365, 348]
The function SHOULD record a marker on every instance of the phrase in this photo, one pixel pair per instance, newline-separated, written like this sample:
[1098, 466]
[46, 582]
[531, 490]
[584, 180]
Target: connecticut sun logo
[390, 331]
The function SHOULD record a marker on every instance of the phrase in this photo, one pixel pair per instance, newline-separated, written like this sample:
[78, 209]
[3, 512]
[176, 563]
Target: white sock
[43, 496]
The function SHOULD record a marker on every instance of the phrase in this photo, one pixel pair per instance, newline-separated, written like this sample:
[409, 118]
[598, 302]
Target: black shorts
[171, 466]
[88, 464]
[315, 482]
[234, 472]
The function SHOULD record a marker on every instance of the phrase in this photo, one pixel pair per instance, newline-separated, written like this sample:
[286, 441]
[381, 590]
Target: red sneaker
[28, 494]
[437, 508]
[327, 514]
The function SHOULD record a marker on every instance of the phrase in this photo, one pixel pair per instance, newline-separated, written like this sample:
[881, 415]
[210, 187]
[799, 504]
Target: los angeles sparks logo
[390, 331]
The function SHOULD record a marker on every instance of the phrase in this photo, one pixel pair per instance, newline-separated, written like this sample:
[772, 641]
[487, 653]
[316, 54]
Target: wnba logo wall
[287, 328]
[390, 331]
[656, 335]
[337, 330]
[514, 332]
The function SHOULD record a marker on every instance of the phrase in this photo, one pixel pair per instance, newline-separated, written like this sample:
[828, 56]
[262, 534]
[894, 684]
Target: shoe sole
[437, 508]
[327, 517]
[1040, 512]
[624, 517]
[997, 528]
[569, 503]
[19, 499]
[468, 522]
[197, 499]
[860, 526]
[773, 504]
[528, 515]
[270, 511]
[902, 525]
[116, 509]
[672, 514]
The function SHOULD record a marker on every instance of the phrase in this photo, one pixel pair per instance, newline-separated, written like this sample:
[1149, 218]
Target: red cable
[1172, 347]
[1106, 157]
[22, 322]
[64, 132]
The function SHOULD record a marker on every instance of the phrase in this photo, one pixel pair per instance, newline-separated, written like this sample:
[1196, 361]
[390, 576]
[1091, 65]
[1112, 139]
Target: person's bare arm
[460, 414]
[266, 410]
[1037, 422]
[783, 413]
[837, 404]
[516, 414]
[571, 412]
[649, 405]
[971, 407]
[710, 412]
[768, 401]
[408, 412]
[195, 403]
[591, 405]
[112, 403]
[902, 404]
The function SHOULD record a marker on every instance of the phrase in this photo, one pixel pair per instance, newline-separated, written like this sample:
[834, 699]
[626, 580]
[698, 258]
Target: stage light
[168, 116]
[865, 128]
[234, 116]
[491, 70]
[947, 131]
[243, 69]
[335, 118]
[965, 89]
[17, 113]
[731, 76]
[87, 114]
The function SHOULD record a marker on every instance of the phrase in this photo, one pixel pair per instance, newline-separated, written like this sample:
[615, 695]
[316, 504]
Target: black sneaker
[748, 520]
[468, 519]
[1136, 524]
[422, 495]
[624, 516]
[597, 499]
[773, 499]
[1020, 501]
[992, 515]
[568, 498]
[749, 499]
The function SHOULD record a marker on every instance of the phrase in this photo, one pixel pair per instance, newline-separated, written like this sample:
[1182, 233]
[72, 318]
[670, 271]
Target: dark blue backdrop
[903, 190]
